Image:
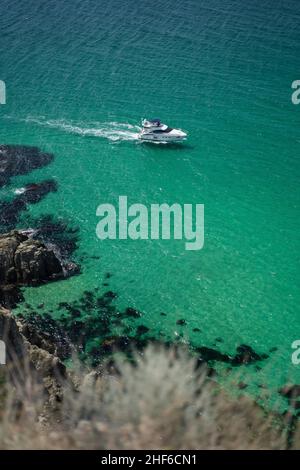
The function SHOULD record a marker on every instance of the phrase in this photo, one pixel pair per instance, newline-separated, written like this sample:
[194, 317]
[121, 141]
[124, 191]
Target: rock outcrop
[23, 356]
[24, 261]
[27, 261]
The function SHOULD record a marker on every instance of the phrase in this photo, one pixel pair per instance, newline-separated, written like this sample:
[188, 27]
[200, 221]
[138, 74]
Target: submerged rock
[19, 160]
[58, 232]
[246, 355]
[210, 354]
[10, 211]
[142, 330]
[132, 312]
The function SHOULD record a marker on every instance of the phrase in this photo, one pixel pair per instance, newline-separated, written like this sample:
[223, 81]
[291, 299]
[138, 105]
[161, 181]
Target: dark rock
[10, 211]
[70, 268]
[110, 295]
[23, 356]
[35, 263]
[142, 330]
[10, 296]
[209, 354]
[46, 333]
[91, 322]
[24, 261]
[9, 333]
[57, 232]
[27, 261]
[63, 305]
[133, 313]
[291, 416]
[242, 385]
[292, 393]
[246, 355]
[19, 160]
[181, 322]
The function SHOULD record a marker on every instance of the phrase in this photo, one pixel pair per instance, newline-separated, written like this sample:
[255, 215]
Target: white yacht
[155, 131]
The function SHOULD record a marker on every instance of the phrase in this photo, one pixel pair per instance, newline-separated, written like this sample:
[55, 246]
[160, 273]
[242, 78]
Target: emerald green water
[81, 75]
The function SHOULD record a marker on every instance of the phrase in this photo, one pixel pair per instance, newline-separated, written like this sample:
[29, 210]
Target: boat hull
[162, 138]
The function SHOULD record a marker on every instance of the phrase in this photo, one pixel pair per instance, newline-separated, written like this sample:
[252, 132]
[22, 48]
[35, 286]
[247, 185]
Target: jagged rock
[22, 357]
[34, 262]
[45, 333]
[10, 296]
[25, 261]
[10, 334]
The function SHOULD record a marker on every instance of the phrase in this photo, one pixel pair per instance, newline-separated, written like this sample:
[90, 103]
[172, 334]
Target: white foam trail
[113, 131]
[19, 191]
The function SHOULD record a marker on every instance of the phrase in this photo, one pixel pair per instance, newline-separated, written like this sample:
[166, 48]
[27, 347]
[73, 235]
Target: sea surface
[80, 75]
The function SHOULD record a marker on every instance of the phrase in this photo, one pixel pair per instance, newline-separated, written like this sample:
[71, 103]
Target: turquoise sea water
[81, 74]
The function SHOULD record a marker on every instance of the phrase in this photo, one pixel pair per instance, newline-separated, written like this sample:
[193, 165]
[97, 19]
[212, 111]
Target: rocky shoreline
[30, 257]
[40, 253]
[41, 250]
[25, 261]
[29, 353]
[38, 354]
[36, 254]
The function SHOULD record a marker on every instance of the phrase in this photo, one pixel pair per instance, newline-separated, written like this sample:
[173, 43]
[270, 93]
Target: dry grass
[161, 401]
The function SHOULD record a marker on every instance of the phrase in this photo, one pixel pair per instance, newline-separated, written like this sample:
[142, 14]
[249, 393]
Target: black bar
[135, 458]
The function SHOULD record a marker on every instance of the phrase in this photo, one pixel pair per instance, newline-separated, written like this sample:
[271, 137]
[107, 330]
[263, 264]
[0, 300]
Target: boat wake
[113, 131]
